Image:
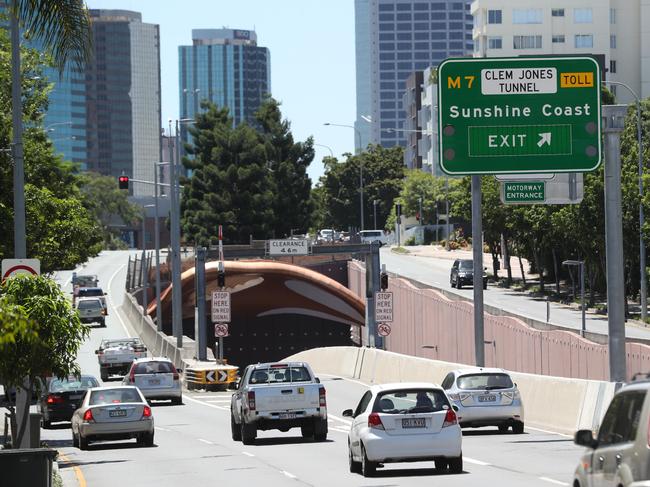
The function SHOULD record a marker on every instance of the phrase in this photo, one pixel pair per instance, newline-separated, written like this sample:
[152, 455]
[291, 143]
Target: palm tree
[63, 26]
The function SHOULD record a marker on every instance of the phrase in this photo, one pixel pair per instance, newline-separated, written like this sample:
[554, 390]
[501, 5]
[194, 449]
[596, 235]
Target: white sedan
[404, 422]
[112, 413]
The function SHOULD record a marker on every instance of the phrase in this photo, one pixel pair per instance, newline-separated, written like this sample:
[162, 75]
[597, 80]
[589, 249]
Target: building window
[494, 16]
[612, 15]
[558, 39]
[557, 12]
[612, 66]
[495, 43]
[527, 16]
[583, 15]
[584, 40]
[612, 41]
[527, 42]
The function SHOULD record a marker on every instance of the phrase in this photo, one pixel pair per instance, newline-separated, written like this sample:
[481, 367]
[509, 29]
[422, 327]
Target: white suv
[620, 454]
[369, 236]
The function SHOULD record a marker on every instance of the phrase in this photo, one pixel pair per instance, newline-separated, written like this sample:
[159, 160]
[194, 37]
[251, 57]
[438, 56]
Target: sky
[312, 57]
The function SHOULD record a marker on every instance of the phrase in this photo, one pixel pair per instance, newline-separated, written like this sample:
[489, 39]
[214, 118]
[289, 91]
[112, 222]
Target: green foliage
[338, 198]
[59, 231]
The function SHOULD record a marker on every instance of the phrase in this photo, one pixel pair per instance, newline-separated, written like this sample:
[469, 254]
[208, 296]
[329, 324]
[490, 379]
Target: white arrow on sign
[545, 138]
[222, 376]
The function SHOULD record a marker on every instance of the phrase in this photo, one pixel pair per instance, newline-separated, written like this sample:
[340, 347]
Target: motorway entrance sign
[524, 191]
[519, 115]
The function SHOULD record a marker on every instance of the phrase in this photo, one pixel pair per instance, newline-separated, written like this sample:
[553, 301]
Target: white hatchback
[404, 422]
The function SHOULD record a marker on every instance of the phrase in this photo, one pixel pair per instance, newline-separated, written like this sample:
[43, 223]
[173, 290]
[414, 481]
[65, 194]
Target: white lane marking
[346, 379]
[549, 432]
[219, 401]
[161, 428]
[340, 430]
[344, 421]
[476, 462]
[205, 441]
[117, 313]
[188, 398]
[210, 397]
[552, 481]
[290, 475]
[248, 454]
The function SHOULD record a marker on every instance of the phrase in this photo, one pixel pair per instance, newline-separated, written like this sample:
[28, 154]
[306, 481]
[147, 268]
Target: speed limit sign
[383, 329]
[221, 330]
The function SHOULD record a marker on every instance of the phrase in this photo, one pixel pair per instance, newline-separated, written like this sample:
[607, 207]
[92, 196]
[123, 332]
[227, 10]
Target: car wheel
[485, 285]
[103, 323]
[47, 424]
[235, 430]
[355, 467]
[368, 468]
[147, 439]
[503, 428]
[307, 430]
[456, 464]
[75, 442]
[177, 400]
[83, 442]
[248, 433]
[441, 465]
[320, 430]
[518, 428]
[104, 376]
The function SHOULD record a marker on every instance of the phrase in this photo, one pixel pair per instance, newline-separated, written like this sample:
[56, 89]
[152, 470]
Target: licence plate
[413, 423]
[116, 414]
[287, 415]
[487, 398]
[154, 382]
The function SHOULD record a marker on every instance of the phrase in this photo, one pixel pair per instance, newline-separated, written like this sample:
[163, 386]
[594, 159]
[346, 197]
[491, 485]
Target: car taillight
[322, 401]
[251, 400]
[450, 418]
[54, 399]
[132, 375]
[146, 412]
[176, 376]
[374, 421]
[88, 415]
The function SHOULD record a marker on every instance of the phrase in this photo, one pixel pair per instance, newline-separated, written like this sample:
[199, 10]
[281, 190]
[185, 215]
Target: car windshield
[370, 234]
[73, 384]
[114, 396]
[154, 367]
[89, 304]
[406, 401]
[484, 381]
[274, 375]
[90, 292]
[466, 265]
[129, 342]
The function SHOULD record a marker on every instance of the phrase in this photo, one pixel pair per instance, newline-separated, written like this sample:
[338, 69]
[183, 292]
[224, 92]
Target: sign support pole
[477, 255]
[200, 333]
[613, 119]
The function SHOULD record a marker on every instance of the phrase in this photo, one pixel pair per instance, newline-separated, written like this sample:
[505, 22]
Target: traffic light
[398, 209]
[383, 280]
[221, 275]
[123, 182]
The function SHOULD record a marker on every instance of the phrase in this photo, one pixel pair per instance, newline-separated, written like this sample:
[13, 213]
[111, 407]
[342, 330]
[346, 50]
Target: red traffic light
[123, 182]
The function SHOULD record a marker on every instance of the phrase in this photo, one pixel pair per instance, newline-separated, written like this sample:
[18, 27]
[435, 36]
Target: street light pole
[642, 253]
[157, 244]
[358, 151]
[177, 316]
[20, 237]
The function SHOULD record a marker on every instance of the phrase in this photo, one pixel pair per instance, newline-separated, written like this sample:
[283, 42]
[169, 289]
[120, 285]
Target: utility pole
[159, 325]
[177, 315]
[477, 255]
[613, 121]
[200, 322]
[447, 211]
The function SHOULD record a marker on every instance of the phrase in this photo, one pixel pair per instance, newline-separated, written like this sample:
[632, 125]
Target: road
[193, 444]
[435, 272]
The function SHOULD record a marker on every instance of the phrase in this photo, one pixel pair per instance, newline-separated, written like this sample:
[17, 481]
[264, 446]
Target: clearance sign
[519, 115]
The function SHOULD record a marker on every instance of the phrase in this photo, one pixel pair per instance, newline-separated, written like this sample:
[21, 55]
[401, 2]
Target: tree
[105, 201]
[383, 172]
[288, 162]
[230, 184]
[40, 335]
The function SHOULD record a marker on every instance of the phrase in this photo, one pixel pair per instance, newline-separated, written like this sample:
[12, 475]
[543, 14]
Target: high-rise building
[619, 30]
[412, 127]
[394, 38]
[227, 67]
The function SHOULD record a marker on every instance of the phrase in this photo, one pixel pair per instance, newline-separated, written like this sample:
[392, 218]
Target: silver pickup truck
[115, 356]
[278, 396]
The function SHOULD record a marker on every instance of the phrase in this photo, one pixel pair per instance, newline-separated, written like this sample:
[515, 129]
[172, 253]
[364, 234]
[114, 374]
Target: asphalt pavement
[193, 445]
[435, 273]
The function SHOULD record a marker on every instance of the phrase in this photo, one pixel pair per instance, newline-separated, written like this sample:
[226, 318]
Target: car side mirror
[317, 380]
[454, 407]
[96, 352]
[585, 438]
[348, 413]
[105, 294]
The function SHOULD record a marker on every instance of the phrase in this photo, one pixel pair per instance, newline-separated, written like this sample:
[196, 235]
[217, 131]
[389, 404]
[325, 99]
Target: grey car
[485, 397]
[112, 413]
[619, 454]
[462, 273]
[91, 310]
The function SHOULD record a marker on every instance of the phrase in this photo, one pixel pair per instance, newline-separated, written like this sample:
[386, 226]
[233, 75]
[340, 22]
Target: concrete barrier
[558, 404]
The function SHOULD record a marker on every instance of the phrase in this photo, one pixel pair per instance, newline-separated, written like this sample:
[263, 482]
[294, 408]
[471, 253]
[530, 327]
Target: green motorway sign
[519, 115]
[524, 191]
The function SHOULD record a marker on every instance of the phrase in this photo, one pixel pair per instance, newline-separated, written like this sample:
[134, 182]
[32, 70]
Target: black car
[62, 397]
[462, 272]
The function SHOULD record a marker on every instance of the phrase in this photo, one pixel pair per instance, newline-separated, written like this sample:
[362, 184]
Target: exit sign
[524, 191]
[519, 115]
